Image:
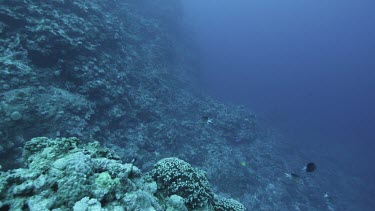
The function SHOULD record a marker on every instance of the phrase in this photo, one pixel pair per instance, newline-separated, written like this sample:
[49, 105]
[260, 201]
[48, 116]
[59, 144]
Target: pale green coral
[105, 181]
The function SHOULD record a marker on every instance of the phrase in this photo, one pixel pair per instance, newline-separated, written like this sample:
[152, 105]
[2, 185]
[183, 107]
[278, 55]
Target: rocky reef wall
[121, 72]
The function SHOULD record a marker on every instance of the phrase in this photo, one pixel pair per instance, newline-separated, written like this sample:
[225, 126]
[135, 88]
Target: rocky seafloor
[118, 76]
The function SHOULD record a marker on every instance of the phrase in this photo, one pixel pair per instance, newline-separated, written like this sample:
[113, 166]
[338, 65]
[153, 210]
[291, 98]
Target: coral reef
[123, 72]
[117, 71]
[66, 174]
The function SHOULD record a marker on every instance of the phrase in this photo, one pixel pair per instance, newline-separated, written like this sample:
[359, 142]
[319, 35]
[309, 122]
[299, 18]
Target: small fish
[327, 197]
[309, 167]
[133, 160]
[207, 119]
[292, 176]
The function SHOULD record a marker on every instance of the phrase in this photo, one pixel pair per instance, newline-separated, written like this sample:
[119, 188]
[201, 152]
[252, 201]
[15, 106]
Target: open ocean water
[308, 68]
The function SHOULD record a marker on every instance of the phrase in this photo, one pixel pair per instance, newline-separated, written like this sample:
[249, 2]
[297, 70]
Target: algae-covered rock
[16, 116]
[87, 204]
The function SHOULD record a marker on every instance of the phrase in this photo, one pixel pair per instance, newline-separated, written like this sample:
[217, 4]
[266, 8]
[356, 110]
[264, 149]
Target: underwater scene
[177, 105]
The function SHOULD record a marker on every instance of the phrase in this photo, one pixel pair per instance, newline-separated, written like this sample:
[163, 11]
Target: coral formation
[176, 177]
[66, 174]
[224, 204]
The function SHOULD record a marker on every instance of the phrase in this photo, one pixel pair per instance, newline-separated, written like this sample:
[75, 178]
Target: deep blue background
[307, 66]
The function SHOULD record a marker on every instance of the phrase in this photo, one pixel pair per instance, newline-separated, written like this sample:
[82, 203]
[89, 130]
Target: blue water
[307, 67]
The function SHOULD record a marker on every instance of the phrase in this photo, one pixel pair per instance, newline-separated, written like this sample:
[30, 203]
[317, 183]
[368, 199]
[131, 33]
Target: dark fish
[133, 160]
[310, 167]
[205, 118]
